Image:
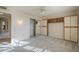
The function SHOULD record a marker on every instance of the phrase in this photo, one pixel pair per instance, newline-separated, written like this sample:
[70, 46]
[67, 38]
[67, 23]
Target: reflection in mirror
[5, 27]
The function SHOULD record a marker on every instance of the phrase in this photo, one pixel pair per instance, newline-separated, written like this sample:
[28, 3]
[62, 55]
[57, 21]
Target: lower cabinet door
[74, 34]
[67, 33]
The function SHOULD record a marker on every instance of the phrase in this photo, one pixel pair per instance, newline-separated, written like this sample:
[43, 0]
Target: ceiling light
[42, 13]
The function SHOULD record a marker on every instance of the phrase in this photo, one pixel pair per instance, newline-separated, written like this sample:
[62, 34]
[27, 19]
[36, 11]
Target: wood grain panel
[70, 26]
[56, 20]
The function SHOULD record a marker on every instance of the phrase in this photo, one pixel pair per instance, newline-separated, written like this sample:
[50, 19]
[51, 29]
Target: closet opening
[56, 28]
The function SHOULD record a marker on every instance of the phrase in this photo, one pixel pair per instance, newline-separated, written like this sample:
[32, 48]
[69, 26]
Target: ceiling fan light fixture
[43, 12]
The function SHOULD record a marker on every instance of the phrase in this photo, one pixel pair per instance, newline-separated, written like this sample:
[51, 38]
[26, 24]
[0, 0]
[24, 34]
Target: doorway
[32, 27]
[5, 27]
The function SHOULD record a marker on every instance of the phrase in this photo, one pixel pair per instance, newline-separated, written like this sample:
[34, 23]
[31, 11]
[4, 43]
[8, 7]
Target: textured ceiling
[50, 10]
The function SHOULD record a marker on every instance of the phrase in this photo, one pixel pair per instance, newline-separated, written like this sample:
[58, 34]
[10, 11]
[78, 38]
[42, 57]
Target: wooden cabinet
[67, 30]
[67, 21]
[74, 34]
[43, 27]
[73, 21]
[67, 33]
[70, 24]
[74, 28]
[43, 30]
[43, 23]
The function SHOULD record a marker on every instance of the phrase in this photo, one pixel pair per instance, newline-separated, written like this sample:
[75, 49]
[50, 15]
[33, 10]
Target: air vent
[2, 7]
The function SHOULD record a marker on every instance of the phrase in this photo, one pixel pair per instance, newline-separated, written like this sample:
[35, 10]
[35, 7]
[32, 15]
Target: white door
[56, 30]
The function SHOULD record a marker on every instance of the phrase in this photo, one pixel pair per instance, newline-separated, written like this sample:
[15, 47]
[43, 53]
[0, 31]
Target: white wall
[19, 31]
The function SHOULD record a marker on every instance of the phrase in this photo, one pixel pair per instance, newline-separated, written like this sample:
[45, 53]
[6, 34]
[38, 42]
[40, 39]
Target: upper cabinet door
[73, 20]
[67, 21]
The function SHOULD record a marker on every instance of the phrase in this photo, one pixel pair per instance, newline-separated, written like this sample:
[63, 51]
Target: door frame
[34, 26]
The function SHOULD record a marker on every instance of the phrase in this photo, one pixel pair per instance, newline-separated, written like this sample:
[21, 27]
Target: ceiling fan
[43, 12]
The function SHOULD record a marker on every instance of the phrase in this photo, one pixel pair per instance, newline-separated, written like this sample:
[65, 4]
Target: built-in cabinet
[64, 28]
[43, 27]
[56, 27]
[71, 28]
[37, 27]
